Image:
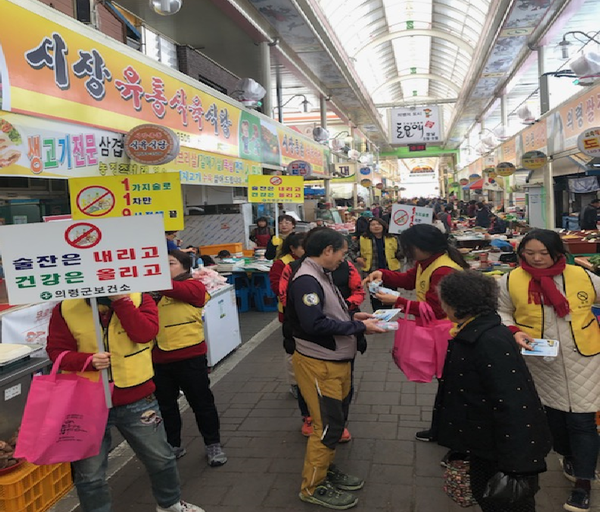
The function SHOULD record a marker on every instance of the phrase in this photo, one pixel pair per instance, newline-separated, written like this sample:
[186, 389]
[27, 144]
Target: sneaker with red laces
[346, 437]
[307, 428]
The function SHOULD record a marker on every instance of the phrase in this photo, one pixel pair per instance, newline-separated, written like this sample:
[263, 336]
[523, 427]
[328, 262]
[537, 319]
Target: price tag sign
[102, 197]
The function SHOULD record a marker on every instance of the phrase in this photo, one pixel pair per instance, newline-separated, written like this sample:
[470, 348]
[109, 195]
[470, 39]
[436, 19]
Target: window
[159, 48]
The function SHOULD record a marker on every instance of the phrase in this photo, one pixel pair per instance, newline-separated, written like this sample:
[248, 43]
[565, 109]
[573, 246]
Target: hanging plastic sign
[474, 177]
[588, 142]
[534, 160]
[505, 169]
[299, 168]
[379, 186]
[151, 144]
[464, 182]
[366, 183]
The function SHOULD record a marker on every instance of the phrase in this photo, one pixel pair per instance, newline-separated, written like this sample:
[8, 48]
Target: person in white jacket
[547, 299]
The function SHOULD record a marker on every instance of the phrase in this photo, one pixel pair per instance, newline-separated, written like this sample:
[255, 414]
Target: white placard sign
[415, 125]
[27, 325]
[81, 259]
[405, 216]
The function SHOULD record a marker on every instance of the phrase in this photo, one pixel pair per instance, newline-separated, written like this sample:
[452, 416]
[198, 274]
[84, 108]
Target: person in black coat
[482, 216]
[487, 405]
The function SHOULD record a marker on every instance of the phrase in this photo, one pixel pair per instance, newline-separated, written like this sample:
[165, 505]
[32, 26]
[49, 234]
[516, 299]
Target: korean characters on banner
[415, 125]
[406, 216]
[31, 146]
[153, 194]
[84, 259]
[276, 189]
[71, 73]
[588, 142]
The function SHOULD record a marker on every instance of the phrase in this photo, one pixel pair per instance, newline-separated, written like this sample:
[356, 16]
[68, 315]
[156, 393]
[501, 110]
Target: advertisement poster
[415, 125]
[65, 71]
[276, 189]
[405, 216]
[143, 194]
[81, 259]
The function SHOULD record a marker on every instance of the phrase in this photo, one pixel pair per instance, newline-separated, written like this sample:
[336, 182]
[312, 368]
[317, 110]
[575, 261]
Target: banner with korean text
[81, 259]
[275, 189]
[70, 72]
[142, 194]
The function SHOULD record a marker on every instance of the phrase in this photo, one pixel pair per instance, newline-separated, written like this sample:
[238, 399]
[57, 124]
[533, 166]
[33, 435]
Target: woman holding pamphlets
[547, 301]
[434, 258]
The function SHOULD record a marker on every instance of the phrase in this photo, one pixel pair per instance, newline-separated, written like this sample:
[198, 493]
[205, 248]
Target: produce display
[595, 260]
[7, 451]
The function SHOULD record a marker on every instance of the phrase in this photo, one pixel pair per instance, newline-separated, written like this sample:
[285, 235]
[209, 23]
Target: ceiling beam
[417, 76]
[417, 100]
[429, 32]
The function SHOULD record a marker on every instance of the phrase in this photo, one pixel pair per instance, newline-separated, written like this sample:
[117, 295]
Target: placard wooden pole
[276, 221]
[101, 348]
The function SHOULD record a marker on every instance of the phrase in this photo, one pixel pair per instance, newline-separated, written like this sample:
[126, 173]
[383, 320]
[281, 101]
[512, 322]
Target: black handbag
[511, 488]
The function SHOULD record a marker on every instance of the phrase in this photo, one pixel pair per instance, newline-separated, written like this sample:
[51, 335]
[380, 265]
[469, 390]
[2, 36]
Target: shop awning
[477, 184]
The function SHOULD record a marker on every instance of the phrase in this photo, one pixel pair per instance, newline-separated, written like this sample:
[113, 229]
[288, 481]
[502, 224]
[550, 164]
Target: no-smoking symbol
[95, 201]
[83, 235]
[401, 217]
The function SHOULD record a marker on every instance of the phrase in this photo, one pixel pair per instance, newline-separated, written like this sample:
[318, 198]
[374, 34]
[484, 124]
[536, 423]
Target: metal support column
[279, 93]
[504, 111]
[265, 77]
[323, 108]
[544, 91]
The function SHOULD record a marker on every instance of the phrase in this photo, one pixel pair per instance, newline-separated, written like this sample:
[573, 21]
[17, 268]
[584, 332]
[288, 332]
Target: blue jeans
[574, 435]
[141, 425]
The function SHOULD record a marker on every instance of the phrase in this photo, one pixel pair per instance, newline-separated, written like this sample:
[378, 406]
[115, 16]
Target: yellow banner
[66, 71]
[112, 196]
[275, 189]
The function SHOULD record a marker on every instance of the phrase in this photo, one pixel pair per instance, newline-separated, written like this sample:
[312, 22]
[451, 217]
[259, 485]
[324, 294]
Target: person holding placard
[547, 299]
[180, 362]
[130, 324]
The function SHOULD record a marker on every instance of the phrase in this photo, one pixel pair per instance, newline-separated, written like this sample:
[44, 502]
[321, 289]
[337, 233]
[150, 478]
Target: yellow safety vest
[423, 281]
[287, 259]
[579, 291]
[390, 247]
[130, 362]
[180, 324]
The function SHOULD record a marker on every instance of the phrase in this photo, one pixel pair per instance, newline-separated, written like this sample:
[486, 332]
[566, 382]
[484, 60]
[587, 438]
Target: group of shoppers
[501, 410]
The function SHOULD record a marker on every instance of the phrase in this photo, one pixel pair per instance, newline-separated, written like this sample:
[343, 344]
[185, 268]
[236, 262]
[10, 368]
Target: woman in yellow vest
[435, 258]
[130, 323]
[378, 250]
[547, 299]
[180, 360]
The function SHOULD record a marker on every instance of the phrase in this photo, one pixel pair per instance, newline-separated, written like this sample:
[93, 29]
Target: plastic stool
[264, 298]
[242, 291]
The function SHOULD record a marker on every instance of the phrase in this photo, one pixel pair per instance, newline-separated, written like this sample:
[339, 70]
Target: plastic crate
[32, 488]
[213, 250]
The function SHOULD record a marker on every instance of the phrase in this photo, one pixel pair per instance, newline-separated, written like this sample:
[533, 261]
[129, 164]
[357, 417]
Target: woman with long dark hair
[180, 362]
[434, 259]
[378, 250]
[548, 299]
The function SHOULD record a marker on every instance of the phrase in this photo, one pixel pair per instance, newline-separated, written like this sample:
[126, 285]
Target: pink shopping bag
[64, 420]
[420, 345]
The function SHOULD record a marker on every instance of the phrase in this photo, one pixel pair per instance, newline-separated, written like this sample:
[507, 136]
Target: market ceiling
[367, 55]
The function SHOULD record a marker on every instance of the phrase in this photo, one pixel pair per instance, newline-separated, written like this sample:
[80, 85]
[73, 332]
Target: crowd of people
[498, 410]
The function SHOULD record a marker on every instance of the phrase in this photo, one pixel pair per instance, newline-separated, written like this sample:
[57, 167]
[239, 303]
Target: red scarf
[543, 286]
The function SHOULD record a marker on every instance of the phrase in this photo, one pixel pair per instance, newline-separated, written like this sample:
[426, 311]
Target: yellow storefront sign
[275, 189]
[124, 196]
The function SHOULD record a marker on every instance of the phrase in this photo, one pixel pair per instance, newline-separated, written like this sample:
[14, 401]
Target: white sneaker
[182, 506]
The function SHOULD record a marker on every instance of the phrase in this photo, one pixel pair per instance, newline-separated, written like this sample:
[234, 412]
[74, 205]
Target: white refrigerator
[221, 324]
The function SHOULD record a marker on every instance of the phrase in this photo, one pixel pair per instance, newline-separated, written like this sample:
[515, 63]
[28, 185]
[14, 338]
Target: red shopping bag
[64, 420]
[420, 345]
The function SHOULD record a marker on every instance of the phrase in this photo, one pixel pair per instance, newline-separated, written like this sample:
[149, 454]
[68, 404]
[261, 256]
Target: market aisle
[261, 435]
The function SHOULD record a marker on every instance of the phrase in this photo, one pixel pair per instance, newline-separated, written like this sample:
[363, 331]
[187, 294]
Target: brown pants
[325, 385]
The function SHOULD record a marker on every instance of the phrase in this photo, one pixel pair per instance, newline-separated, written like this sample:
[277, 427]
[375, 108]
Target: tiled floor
[261, 435]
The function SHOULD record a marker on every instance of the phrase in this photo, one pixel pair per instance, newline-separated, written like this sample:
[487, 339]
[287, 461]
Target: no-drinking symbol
[83, 235]
[401, 217]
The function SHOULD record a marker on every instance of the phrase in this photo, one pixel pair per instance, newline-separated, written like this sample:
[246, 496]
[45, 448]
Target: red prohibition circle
[106, 193]
[276, 180]
[86, 239]
[401, 217]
